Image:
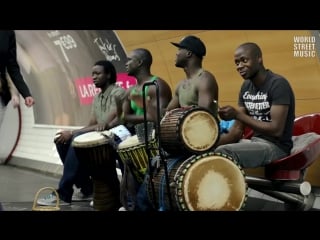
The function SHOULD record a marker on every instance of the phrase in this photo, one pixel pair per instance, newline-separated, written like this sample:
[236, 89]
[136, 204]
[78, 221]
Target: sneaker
[51, 200]
[122, 209]
[78, 196]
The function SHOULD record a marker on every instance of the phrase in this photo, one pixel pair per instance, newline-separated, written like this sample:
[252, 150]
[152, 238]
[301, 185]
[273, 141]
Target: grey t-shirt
[276, 90]
[104, 102]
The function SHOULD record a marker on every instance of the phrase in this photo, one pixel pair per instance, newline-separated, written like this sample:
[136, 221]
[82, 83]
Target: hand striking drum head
[91, 139]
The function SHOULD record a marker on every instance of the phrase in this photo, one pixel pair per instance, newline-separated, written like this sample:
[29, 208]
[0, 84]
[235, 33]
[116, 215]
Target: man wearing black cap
[200, 86]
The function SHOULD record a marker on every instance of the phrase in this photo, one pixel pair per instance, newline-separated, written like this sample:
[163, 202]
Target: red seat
[247, 133]
[303, 155]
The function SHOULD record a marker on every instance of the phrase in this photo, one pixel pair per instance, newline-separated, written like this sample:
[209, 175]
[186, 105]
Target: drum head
[91, 139]
[134, 141]
[200, 131]
[129, 142]
[211, 182]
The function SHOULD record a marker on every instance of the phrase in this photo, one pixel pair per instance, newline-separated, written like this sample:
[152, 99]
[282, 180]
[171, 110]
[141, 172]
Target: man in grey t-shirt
[266, 105]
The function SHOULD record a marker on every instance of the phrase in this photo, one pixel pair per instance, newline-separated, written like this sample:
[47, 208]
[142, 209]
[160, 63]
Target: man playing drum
[266, 104]
[199, 88]
[138, 65]
[103, 117]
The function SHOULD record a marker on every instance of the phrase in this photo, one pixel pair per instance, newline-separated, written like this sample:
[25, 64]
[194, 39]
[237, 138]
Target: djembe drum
[188, 130]
[133, 154]
[207, 182]
[96, 152]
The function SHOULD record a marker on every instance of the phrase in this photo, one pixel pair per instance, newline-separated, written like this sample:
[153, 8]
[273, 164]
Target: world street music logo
[304, 46]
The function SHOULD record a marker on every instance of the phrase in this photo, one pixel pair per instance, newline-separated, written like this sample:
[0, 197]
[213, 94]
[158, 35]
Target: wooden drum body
[208, 182]
[133, 153]
[192, 129]
[95, 151]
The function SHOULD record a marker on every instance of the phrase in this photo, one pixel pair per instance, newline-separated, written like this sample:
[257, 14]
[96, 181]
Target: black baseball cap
[193, 44]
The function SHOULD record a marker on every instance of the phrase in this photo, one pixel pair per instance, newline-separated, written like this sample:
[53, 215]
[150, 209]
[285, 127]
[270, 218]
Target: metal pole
[162, 159]
[302, 188]
[150, 170]
[297, 202]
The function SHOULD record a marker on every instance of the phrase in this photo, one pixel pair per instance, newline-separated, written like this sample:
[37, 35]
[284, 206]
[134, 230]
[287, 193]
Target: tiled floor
[20, 186]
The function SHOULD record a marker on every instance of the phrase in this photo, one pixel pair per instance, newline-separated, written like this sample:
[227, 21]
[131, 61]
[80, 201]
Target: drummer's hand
[63, 137]
[227, 113]
[101, 127]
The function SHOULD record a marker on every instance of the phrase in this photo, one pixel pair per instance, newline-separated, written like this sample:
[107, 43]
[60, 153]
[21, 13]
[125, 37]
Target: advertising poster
[57, 66]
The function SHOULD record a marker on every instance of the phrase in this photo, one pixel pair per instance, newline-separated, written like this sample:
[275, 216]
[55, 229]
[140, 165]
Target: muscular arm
[128, 114]
[208, 92]
[151, 103]
[174, 103]
[165, 96]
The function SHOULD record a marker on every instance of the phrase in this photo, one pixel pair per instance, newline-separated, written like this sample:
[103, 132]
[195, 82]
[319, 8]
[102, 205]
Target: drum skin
[207, 182]
[191, 130]
[94, 151]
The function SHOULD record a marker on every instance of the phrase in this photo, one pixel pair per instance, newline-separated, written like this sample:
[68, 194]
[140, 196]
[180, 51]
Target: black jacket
[8, 63]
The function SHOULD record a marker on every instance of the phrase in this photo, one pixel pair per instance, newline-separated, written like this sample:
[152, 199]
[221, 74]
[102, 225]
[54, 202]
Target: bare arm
[165, 96]
[174, 103]
[128, 115]
[208, 92]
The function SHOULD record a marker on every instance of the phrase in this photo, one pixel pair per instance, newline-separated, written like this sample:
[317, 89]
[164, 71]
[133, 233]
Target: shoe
[51, 200]
[122, 209]
[78, 196]
[91, 203]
